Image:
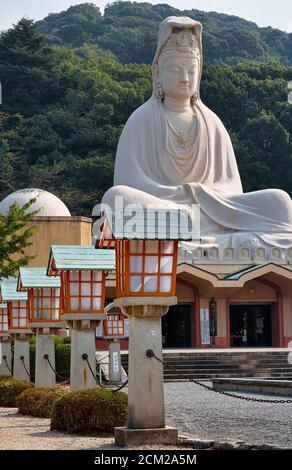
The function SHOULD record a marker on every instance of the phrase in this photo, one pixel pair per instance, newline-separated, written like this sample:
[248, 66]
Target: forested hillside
[64, 109]
[129, 30]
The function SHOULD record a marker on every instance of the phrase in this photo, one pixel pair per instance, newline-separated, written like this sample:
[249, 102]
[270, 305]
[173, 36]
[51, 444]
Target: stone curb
[200, 444]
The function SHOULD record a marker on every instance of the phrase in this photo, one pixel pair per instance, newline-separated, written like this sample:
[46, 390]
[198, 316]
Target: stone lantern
[5, 342]
[146, 262]
[44, 319]
[18, 327]
[114, 331]
[82, 270]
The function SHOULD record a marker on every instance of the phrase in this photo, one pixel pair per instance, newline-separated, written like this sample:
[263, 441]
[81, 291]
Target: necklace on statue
[183, 139]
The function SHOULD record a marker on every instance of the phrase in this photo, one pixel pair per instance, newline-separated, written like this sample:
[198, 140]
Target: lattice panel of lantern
[16, 304]
[44, 304]
[3, 319]
[17, 315]
[83, 291]
[146, 267]
[114, 325]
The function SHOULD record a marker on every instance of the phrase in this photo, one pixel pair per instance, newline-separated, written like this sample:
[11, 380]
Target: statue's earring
[194, 97]
[159, 91]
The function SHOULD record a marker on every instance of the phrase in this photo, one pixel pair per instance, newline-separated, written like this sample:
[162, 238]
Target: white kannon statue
[174, 150]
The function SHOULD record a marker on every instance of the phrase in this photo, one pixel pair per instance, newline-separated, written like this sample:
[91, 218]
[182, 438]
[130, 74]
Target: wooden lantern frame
[16, 306]
[69, 278]
[82, 270]
[44, 303]
[124, 273]
[110, 330]
[3, 319]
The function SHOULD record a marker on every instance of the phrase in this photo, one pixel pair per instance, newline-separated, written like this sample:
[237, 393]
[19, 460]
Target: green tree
[15, 237]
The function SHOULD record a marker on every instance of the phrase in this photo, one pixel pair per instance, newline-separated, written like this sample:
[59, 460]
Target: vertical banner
[205, 325]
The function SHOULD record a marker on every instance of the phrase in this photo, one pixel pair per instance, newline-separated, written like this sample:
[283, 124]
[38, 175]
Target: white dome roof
[49, 204]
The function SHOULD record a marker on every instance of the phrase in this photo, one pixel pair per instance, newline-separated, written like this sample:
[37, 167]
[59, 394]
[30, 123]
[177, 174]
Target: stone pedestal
[5, 350]
[21, 350]
[45, 346]
[146, 417]
[82, 343]
[115, 366]
[44, 375]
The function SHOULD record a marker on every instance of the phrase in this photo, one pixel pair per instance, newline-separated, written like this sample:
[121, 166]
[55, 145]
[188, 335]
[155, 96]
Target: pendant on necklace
[182, 139]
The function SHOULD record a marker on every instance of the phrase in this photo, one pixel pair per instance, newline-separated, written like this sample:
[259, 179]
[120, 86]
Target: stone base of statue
[146, 417]
[83, 361]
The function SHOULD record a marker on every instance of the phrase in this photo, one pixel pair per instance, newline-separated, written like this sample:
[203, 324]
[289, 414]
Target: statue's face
[179, 76]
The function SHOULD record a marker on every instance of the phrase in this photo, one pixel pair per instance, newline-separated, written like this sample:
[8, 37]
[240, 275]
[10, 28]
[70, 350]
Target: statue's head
[177, 63]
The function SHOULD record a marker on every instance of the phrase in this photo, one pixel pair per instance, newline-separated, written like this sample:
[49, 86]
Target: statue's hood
[182, 22]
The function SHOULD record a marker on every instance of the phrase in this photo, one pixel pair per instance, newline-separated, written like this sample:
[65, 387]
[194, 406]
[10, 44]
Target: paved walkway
[208, 415]
[196, 412]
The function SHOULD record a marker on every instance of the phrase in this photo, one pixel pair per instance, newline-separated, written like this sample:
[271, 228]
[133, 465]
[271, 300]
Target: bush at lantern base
[39, 401]
[10, 389]
[90, 411]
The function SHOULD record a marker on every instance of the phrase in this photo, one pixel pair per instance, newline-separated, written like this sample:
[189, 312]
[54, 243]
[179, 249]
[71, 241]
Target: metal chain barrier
[7, 365]
[121, 387]
[65, 379]
[23, 363]
[151, 354]
[85, 358]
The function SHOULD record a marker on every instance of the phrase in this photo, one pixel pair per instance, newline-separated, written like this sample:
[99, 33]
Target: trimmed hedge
[91, 411]
[39, 401]
[10, 389]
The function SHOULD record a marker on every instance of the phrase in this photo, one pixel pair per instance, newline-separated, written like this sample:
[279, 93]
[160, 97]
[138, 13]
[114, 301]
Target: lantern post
[82, 270]
[146, 263]
[5, 342]
[114, 331]
[17, 327]
[44, 319]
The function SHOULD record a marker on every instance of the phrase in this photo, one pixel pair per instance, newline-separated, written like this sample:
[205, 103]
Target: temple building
[239, 301]
[55, 225]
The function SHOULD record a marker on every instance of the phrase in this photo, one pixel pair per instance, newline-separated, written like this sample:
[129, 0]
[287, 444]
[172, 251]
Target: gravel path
[196, 412]
[208, 415]
[19, 432]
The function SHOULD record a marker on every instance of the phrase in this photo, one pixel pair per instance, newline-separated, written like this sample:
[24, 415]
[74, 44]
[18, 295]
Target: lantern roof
[80, 258]
[9, 290]
[36, 277]
[163, 223]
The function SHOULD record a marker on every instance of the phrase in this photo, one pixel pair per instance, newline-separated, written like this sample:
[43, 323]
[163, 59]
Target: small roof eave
[36, 278]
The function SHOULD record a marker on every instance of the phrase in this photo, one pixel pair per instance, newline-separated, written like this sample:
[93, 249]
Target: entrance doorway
[250, 325]
[176, 327]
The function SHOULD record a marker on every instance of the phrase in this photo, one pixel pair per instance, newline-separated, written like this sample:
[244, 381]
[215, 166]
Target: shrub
[90, 411]
[5, 377]
[39, 401]
[63, 352]
[10, 389]
[67, 340]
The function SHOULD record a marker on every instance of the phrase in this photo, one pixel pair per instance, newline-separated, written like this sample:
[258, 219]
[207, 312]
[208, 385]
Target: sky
[277, 14]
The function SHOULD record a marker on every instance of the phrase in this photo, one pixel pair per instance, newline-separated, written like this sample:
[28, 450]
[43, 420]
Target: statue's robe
[146, 172]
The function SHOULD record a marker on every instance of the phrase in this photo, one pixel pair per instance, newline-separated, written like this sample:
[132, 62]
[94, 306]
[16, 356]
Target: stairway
[206, 365]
